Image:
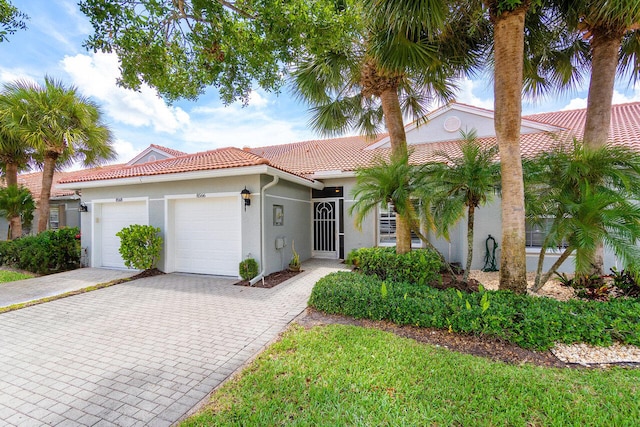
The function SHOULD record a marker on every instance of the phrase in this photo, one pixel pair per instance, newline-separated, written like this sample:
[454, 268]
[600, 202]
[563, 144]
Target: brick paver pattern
[141, 353]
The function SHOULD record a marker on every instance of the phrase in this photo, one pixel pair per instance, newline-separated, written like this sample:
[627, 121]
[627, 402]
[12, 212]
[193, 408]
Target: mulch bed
[272, 279]
[469, 344]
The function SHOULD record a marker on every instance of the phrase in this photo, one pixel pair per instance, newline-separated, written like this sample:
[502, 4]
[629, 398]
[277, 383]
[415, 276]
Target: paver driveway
[140, 353]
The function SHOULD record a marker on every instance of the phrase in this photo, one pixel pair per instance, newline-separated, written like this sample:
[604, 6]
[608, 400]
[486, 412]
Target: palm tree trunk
[563, 257]
[509, 56]
[11, 178]
[605, 48]
[398, 139]
[48, 169]
[470, 221]
[537, 284]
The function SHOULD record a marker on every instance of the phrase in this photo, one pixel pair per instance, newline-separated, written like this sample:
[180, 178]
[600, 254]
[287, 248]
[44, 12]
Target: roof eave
[185, 176]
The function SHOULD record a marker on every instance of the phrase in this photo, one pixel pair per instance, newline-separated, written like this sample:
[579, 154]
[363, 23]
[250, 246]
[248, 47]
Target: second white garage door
[207, 237]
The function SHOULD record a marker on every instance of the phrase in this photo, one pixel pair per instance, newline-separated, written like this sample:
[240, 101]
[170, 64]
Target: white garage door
[115, 217]
[207, 235]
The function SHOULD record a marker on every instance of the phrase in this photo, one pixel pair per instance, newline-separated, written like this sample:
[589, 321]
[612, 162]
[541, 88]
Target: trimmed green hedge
[419, 266]
[51, 251]
[530, 322]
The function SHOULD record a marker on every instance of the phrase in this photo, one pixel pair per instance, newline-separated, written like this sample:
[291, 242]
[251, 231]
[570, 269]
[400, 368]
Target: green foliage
[420, 267]
[183, 47]
[248, 269]
[295, 258]
[11, 19]
[17, 202]
[627, 280]
[12, 276]
[51, 251]
[140, 246]
[353, 258]
[530, 322]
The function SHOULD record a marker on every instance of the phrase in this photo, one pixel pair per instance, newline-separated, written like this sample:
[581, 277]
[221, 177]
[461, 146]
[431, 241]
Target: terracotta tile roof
[222, 158]
[33, 180]
[171, 151]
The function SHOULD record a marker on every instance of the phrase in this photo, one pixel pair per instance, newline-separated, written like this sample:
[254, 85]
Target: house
[299, 192]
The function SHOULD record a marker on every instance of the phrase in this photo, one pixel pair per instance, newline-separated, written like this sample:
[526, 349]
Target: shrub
[420, 267]
[49, 252]
[140, 246]
[530, 322]
[248, 269]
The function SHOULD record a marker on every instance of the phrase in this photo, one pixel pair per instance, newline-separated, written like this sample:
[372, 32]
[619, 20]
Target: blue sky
[52, 45]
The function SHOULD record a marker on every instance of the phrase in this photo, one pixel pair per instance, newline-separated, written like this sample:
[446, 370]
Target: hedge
[530, 322]
[419, 266]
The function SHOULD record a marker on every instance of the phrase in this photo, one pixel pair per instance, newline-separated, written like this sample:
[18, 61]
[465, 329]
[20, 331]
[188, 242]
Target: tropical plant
[589, 193]
[459, 183]
[386, 71]
[294, 264]
[61, 125]
[140, 246]
[15, 157]
[17, 204]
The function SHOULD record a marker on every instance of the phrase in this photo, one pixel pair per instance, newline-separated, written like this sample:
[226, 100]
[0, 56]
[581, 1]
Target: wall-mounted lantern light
[83, 207]
[246, 196]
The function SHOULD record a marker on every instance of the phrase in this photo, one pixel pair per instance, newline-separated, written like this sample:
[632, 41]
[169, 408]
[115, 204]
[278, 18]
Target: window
[387, 227]
[536, 232]
[54, 218]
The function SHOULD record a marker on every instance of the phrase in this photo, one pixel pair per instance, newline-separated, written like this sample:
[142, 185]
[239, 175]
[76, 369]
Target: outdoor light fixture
[83, 207]
[246, 196]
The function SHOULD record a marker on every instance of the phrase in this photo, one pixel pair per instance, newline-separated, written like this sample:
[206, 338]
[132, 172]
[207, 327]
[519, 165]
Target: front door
[325, 230]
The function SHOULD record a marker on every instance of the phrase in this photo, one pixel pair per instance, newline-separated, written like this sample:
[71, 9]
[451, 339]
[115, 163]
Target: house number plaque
[200, 195]
[118, 199]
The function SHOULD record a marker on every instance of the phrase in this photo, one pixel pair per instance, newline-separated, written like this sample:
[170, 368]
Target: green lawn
[345, 375]
[12, 276]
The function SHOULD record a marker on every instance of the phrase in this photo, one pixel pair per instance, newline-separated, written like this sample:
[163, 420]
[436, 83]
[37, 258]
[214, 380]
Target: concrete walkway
[57, 284]
[140, 353]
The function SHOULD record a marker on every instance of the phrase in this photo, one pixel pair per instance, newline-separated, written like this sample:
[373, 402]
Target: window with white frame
[387, 227]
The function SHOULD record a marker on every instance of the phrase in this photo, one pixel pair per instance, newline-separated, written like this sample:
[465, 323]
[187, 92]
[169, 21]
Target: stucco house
[299, 192]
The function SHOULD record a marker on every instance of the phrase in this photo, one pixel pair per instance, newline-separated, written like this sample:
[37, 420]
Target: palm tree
[383, 73]
[15, 157]
[392, 184]
[588, 192]
[459, 184]
[62, 126]
[17, 204]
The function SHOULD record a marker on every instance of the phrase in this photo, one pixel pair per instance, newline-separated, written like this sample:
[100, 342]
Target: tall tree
[385, 73]
[61, 125]
[612, 30]
[182, 47]
[17, 204]
[15, 157]
[458, 184]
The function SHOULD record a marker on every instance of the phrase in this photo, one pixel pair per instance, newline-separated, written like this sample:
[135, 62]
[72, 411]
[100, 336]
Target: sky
[52, 45]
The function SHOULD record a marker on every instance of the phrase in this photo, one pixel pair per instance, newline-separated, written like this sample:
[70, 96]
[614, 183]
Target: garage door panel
[115, 217]
[207, 236]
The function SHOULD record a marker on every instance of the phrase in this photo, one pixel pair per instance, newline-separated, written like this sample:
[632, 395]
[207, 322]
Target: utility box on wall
[281, 242]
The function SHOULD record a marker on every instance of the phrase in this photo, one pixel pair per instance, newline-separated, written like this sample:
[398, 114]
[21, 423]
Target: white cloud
[618, 98]
[96, 76]
[575, 104]
[126, 151]
[466, 95]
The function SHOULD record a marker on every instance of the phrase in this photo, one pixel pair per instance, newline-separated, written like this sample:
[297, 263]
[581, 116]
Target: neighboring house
[64, 203]
[300, 191]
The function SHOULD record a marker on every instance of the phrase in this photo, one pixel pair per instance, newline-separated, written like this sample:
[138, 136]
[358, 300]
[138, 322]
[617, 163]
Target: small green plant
[627, 281]
[294, 264]
[140, 246]
[353, 258]
[248, 269]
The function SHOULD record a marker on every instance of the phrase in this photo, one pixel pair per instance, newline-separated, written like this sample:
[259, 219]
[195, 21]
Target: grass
[346, 375]
[64, 295]
[12, 276]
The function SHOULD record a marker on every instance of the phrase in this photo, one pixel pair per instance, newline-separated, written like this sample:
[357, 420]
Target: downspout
[262, 232]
